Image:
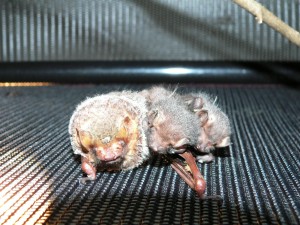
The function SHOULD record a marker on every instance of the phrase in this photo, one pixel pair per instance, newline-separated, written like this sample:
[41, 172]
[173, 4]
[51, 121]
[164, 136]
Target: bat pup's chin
[111, 161]
[112, 153]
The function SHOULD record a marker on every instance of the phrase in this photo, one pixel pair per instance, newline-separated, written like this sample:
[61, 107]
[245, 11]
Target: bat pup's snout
[106, 150]
[110, 153]
[223, 143]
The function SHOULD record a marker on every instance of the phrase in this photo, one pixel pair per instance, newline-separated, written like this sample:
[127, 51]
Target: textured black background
[39, 173]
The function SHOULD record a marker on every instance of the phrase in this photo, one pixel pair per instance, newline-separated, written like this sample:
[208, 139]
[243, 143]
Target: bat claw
[85, 180]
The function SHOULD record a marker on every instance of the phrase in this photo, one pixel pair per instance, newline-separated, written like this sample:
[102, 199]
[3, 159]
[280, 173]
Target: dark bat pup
[173, 128]
[214, 122]
[172, 125]
[179, 122]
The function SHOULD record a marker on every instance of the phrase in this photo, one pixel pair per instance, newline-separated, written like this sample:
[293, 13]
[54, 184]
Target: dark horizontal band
[151, 72]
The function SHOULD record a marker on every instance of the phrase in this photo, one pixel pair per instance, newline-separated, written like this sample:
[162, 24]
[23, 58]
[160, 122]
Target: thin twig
[264, 15]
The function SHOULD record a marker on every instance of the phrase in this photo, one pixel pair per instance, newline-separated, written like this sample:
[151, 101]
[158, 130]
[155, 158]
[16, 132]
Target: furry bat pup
[177, 122]
[214, 122]
[110, 132]
[172, 124]
[169, 113]
[173, 128]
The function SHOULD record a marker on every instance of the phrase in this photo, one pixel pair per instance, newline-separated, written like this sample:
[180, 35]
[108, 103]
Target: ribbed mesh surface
[33, 30]
[259, 182]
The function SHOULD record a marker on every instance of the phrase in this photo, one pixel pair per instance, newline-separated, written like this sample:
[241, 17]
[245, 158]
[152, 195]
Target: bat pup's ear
[198, 104]
[152, 115]
[189, 100]
[85, 139]
[203, 115]
[125, 128]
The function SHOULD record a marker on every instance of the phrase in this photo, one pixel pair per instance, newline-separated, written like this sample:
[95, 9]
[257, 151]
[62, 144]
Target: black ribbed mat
[259, 182]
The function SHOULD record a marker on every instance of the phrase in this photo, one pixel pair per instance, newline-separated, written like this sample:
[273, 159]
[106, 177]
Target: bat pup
[173, 128]
[214, 124]
[109, 131]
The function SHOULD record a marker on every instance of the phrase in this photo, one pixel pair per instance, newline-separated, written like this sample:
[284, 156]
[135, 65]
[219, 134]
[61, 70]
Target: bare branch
[264, 15]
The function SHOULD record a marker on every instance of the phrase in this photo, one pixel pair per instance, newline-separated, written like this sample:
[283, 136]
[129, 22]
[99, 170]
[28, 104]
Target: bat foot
[85, 180]
[205, 158]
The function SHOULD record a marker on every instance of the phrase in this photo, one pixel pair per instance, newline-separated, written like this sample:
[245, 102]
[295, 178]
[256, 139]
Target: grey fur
[216, 128]
[172, 123]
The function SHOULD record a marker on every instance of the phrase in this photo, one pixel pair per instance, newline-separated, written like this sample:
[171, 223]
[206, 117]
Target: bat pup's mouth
[113, 160]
